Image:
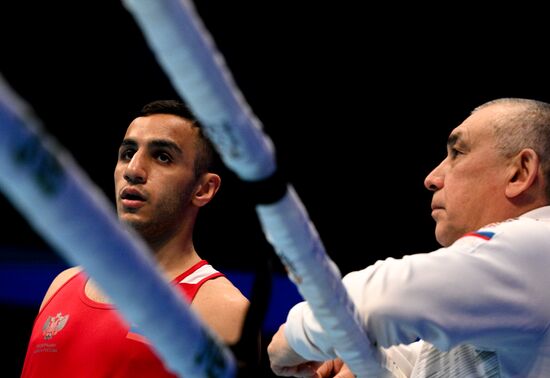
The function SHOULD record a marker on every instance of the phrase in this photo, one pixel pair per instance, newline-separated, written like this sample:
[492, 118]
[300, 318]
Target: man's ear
[524, 170]
[207, 188]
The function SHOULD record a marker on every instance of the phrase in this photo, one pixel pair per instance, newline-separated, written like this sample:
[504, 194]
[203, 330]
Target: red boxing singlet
[74, 336]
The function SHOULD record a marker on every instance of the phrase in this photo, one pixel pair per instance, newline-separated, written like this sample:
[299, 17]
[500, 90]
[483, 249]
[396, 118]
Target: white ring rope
[69, 211]
[184, 49]
[187, 53]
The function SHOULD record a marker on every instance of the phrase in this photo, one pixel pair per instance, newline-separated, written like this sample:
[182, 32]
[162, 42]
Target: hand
[334, 369]
[285, 362]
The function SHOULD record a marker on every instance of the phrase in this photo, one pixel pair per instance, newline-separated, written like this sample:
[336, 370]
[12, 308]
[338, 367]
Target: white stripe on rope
[187, 53]
[68, 210]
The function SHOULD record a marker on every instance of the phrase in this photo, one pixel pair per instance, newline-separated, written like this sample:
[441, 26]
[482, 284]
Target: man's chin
[444, 236]
[132, 223]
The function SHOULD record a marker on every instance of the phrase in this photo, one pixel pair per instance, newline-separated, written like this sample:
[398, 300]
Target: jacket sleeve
[475, 291]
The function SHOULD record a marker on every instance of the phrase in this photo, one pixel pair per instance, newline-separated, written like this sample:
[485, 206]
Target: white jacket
[487, 295]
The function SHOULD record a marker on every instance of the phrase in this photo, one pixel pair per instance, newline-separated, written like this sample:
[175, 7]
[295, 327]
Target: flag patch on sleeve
[486, 235]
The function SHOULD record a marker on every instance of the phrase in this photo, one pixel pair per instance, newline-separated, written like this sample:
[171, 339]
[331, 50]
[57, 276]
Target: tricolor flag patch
[485, 235]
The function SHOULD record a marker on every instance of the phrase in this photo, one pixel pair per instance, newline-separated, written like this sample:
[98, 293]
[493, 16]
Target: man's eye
[164, 158]
[126, 154]
[453, 152]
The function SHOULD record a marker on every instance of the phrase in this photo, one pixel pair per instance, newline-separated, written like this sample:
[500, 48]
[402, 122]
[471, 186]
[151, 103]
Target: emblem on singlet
[53, 325]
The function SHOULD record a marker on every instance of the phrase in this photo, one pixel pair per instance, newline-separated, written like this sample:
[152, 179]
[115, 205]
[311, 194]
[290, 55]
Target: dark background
[358, 101]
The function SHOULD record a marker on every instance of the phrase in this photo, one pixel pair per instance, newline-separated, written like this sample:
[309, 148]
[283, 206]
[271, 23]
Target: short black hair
[205, 149]
[174, 107]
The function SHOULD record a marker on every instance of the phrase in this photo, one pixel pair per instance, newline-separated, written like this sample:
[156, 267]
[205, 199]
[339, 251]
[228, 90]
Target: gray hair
[523, 123]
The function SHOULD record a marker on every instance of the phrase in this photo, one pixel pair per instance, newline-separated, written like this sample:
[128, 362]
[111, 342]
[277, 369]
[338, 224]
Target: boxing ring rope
[68, 210]
[185, 50]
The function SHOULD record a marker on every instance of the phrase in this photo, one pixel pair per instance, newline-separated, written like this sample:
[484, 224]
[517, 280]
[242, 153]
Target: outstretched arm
[285, 362]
